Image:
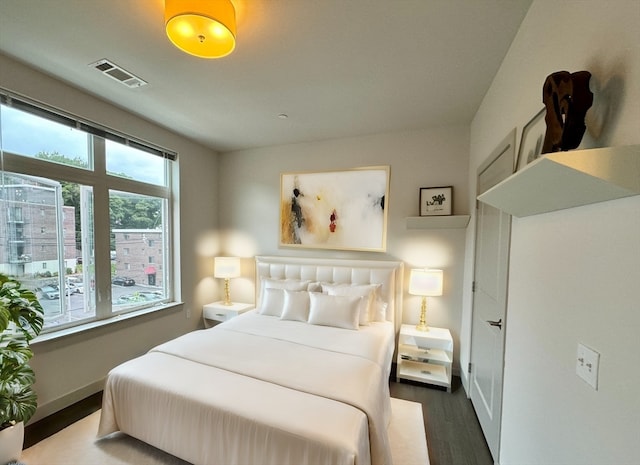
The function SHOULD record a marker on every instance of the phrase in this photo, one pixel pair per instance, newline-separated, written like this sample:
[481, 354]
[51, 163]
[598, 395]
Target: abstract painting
[342, 210]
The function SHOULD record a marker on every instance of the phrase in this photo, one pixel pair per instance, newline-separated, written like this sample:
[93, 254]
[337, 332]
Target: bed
[301, 379]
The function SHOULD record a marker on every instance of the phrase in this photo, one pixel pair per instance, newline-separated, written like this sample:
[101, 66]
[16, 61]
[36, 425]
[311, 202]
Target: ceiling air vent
[119, 74]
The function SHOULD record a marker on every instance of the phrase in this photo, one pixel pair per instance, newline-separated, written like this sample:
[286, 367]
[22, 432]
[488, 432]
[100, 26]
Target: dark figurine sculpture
[567, 98]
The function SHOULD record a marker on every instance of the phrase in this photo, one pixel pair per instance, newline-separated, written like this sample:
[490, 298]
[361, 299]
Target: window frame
[101, 184]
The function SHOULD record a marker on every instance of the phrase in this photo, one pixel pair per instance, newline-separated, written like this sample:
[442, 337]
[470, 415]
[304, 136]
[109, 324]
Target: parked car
[68, 289]
[139, 297]
[152, 295]
[123, 281]
[50, 292]
[76, 288]
[128, 299]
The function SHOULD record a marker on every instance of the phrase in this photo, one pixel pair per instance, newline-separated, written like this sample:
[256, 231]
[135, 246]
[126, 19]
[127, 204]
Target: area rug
[77, 444]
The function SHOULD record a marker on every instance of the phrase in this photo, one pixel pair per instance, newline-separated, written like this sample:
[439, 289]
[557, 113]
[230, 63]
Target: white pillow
[379, 310]
[334, 310]
[290, 284]
[296, 306]
[272, 302]
[370, 291]
[314, 286]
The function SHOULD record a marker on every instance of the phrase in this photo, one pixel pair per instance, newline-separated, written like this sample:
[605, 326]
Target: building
[28, 233]
[139, 255]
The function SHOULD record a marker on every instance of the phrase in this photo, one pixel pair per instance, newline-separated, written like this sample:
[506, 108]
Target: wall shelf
[438, 222]
[568, 179]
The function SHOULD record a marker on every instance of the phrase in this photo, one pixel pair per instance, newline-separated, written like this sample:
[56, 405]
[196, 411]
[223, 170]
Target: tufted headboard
[334, 270]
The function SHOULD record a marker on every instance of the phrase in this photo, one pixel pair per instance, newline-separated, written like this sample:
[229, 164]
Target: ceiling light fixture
[203, 28]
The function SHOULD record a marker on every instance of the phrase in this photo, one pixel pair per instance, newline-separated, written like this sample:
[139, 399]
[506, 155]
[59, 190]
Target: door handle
[496, 323]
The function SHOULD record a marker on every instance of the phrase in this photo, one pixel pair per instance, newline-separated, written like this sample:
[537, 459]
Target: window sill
[63, 333]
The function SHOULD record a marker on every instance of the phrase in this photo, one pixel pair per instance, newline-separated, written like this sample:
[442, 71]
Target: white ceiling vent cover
[119, 74]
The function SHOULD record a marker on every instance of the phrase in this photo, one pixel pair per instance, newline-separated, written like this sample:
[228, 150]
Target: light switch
[587, 365]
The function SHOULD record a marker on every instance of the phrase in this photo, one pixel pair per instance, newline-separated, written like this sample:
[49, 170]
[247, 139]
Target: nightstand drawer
[216, 315]
[219, 312]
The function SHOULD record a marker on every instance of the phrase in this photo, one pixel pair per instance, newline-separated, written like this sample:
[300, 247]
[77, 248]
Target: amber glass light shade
[203, 28]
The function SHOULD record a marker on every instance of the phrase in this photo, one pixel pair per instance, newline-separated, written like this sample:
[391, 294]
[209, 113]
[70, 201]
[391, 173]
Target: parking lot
[82, 305]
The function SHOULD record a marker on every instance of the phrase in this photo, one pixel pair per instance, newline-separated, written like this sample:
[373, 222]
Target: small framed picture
[436, 201]
[532, 139]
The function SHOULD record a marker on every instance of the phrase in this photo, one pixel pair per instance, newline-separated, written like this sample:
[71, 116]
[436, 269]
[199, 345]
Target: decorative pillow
[314, 286]
[272, 302]
[290, 284]
[334, 310]
[370, 291]
[379, 310]
[296, 306]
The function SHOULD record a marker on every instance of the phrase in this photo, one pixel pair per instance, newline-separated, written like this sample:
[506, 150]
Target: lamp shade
[425, 282]
[226, 267]
[203, 28]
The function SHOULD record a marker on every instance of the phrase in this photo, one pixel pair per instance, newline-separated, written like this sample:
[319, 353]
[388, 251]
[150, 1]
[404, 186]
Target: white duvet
[259, 390]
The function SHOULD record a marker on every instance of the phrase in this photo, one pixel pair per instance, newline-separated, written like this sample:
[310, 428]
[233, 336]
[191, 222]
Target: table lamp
[226, 267]
[427, 283]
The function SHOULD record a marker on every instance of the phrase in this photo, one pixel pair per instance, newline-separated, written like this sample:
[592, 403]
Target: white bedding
[258, 389]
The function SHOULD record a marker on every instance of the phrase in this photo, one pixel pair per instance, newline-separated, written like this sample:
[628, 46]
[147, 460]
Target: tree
[125, 212]
[70, 190]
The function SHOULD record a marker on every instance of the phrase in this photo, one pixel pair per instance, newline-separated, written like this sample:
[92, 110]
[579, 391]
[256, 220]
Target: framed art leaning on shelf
[531, 140]
[436, 201]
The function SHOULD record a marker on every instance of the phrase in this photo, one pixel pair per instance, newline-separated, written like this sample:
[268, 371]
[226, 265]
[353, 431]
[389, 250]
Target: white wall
[250, 193]
[70, 368]
[574, 274]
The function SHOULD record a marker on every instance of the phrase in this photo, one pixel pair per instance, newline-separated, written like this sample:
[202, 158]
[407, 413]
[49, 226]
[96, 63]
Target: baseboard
[44, 410]
[464, 377]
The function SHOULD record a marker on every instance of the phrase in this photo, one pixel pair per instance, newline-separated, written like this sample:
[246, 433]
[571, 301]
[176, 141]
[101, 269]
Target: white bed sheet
[374, 342]
[191, 397]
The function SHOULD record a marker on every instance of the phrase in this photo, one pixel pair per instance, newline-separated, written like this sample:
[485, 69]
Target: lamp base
[227, 293]
[422, 325]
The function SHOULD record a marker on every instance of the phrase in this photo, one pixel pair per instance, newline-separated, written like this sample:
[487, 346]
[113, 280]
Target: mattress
[259, 390]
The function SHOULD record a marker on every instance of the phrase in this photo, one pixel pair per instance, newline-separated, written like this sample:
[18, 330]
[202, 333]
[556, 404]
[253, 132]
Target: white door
[493, 230]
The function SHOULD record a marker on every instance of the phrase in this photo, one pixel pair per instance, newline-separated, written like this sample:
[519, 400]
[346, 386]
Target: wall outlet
[587, 365]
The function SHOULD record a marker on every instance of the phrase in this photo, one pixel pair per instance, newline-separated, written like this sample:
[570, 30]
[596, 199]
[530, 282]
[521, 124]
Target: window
[80, 176]
[15, 214]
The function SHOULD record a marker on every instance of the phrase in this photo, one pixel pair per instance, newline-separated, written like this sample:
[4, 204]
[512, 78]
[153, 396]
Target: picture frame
[532, 140]
[338, 210]
[436, 201]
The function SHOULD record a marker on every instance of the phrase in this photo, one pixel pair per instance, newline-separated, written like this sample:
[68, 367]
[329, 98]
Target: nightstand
[218, 312]
[425, 356]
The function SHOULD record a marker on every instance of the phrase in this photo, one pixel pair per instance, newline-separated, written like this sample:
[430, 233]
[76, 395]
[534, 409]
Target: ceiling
[336, 68]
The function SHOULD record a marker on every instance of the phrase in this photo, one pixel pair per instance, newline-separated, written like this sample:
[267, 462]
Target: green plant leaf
[21, 320]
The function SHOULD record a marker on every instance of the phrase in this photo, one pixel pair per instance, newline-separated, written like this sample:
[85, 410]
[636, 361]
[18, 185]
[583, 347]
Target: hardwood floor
[50, 425]
[453, 433]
